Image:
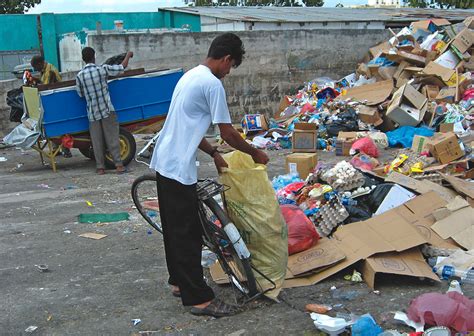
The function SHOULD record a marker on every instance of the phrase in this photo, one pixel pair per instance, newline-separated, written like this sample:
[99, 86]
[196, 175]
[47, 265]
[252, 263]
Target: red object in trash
[452, 310]
[307, 108]
[301, 231]
[366, 146]
[67, 141]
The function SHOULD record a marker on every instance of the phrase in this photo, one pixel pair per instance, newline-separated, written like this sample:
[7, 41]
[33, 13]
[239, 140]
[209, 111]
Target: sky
[76, 6]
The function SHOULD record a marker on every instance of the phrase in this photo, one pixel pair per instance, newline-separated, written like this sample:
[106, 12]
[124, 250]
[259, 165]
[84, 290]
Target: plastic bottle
[447, 272]
[237, 241]
[348, 201]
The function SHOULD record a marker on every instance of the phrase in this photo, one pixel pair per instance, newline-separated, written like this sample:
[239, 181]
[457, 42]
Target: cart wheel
[87, 152]
[128, 147]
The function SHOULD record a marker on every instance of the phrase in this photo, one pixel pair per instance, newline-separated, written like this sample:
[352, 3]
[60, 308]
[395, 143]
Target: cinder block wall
[276, 62]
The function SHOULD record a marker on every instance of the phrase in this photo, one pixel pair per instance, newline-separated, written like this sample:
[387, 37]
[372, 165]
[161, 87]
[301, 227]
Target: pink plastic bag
[366, 146]
[451, 310]
[301, 231]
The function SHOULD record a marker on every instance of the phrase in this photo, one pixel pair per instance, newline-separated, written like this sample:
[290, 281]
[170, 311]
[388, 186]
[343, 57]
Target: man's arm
[79, 88]
[127, 59]
[233, 138]
[219, 161]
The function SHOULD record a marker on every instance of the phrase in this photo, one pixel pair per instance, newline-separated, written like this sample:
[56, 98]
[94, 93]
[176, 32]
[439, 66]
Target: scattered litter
[49, 318]
[103, 218]
[330, 325]
[70, 186]
[136, 321]
[355, 277]
[42, 185]
[42, 268]
[3, 159]
[317, 308]
[30, 329]
[93, 235]
[89, 203]
[403, 317]
[67, 231]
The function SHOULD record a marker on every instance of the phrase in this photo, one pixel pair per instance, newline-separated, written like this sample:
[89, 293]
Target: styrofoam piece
[330, 325]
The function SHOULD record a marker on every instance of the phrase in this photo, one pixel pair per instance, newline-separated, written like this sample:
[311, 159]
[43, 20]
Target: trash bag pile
[414, 91]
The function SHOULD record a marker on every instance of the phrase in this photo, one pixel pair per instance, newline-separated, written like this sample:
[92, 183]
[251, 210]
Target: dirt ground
[96, 287]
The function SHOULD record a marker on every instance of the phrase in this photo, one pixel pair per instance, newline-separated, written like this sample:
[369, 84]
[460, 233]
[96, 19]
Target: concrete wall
[276, 62]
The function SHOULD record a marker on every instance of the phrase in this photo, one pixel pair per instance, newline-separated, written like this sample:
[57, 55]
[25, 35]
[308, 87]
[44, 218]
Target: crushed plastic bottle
[340, 294]
[446, 272]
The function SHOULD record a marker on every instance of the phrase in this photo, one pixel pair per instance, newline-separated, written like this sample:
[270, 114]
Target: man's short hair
[37, 61]
[227, 44]
[88, 54]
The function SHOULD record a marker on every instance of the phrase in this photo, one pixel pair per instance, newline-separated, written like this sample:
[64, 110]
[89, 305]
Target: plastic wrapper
[290, 190]
[451, 310]
[301, 232]
[365, 146]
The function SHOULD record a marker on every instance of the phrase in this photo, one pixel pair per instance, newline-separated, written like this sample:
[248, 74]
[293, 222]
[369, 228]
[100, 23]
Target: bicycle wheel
[236, 267]
[145, 197]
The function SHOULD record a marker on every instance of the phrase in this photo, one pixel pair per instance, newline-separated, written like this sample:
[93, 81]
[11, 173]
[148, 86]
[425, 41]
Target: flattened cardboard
[422, 187]
[324, 253]
[383, 47]
[436, 69]
[301, 163]
[463, 187]
[374, 94]
[409, 263]
[92, 235]
[459, 226]
[424, 24]
[394, 230]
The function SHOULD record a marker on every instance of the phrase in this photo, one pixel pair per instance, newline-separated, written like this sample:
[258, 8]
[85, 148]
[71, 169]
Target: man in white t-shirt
[198, 100]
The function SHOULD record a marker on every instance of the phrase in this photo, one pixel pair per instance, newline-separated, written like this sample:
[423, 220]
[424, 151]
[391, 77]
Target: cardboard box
[305, 137]
[379, 49]
[469, 22]
[420, 144]
[428, 24]
[463, 41]
[344, 143]
[446, 94]
[430, 91]
[369, 115]
[301, 163]
[446, 128]
[254, 122]
[408, 106]
[445, 147]
[448, 60]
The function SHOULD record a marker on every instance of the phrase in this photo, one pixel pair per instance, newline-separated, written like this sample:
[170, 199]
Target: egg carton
[360, 191]
[435, 177]
[343, 176]
[329, 217]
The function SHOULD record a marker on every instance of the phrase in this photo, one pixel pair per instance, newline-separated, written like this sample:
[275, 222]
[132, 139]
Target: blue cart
[141, 103]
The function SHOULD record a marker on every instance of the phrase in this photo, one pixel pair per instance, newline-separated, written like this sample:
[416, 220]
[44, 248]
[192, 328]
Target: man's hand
[260, 157]
[219, 162]
[130, 54]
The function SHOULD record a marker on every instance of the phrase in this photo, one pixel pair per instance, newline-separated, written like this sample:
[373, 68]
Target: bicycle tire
[136, 199]
[247, 285]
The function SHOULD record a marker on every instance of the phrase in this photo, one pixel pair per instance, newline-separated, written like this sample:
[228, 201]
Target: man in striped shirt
[91, 83]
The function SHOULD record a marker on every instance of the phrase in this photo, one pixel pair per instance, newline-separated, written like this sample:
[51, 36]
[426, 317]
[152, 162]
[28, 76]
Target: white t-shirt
[198, 99]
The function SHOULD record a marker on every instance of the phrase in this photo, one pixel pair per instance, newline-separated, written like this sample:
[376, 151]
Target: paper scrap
[92, 235]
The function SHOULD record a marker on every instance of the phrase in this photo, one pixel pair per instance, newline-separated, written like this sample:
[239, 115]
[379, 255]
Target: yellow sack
[253, 207]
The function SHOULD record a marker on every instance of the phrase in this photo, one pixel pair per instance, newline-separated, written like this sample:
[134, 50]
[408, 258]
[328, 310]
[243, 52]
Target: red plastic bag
[366, 146]
[451, 310]
[307, 108]
[301, 231]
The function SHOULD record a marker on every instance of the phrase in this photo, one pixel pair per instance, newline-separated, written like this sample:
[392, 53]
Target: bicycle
[219, 233]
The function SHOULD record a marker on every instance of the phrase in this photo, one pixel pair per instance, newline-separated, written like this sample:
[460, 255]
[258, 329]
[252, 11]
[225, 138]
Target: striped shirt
[91, 83]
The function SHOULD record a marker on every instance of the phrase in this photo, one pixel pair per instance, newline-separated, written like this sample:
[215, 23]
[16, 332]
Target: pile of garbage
[414, 91]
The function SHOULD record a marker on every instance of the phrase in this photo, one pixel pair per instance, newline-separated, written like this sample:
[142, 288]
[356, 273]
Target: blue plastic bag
[404, 135]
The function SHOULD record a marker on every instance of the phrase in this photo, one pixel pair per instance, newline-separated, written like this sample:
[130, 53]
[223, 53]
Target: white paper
[395, 197]
[448, 60]
[401, 316]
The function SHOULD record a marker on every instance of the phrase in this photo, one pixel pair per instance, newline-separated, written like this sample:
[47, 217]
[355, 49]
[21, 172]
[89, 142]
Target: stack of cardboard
[304, 158]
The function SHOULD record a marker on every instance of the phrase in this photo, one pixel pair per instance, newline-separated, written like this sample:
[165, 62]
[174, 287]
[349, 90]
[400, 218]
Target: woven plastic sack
[253, 207]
